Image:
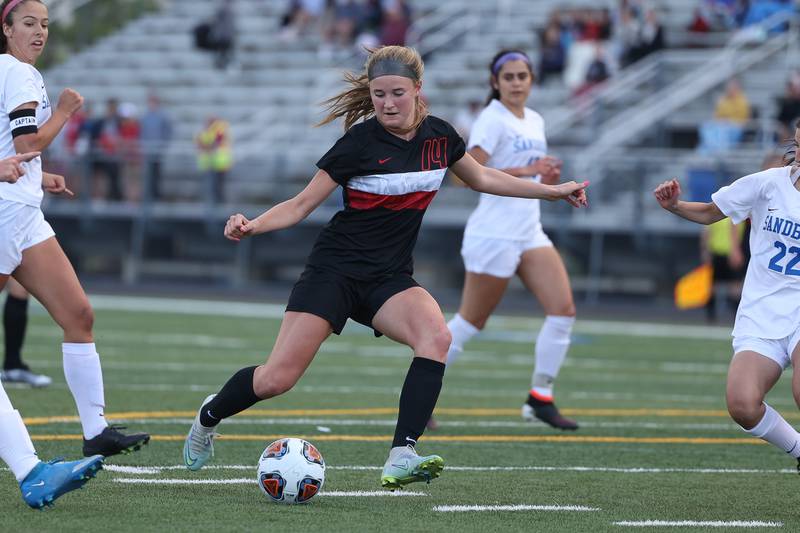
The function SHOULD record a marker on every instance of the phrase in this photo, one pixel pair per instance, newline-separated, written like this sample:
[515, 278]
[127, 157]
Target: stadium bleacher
[271, 91]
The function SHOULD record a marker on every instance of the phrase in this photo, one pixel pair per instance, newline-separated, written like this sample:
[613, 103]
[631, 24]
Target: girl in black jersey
[390, 166]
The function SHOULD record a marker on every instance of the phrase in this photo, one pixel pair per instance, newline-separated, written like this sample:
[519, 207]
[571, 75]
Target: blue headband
[505, 58]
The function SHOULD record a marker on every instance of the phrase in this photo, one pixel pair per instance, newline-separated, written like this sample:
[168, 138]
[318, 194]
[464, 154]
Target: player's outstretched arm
[285, 214]
[11, 169]
[668, 196]
[69, 102]
[493, 181]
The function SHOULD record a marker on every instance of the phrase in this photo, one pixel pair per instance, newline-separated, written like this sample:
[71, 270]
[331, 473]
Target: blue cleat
[47, 481]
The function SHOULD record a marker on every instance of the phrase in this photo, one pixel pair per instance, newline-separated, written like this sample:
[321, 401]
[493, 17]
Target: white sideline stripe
[393, 391]
[252, 481]
[260, 310]
[333, 422]
[693, 523]
[142, 470]
[479, 508]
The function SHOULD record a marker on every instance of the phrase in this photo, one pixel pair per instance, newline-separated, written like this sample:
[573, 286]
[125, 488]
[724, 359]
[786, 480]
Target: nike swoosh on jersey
[382, 161]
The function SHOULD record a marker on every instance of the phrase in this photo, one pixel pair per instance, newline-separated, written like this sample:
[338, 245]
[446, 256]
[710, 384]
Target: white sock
[85, 380]
[461, 331]
[774, 429]
[552, 344]
[16, 448]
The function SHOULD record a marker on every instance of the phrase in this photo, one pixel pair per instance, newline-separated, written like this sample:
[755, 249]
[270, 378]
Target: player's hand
[238, 227]
[573, 192]
[55, 184]
[549, 168]
[69, 101]
[11, 167]
[668, 194]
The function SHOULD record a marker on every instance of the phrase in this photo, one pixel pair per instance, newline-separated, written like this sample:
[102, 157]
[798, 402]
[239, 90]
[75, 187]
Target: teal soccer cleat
[404, 466]
[48, 481]
[199, 445]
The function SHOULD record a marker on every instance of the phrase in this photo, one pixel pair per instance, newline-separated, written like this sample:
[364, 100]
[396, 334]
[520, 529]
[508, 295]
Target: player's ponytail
[7, 9]
[499, 59]
[355, 102]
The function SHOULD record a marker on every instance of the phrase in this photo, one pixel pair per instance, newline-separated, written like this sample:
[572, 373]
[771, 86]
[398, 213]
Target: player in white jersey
[504, 236]
[30, 252]
[766, 334]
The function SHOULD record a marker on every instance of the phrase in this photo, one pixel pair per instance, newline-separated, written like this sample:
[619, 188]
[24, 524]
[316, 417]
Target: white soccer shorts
[779, 350]
[499, 257]
[21, 226]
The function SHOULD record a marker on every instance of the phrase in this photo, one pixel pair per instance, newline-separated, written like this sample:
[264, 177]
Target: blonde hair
[355, 102]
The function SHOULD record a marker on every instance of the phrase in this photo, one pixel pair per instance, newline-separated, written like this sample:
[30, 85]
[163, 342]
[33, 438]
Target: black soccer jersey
[387, 184]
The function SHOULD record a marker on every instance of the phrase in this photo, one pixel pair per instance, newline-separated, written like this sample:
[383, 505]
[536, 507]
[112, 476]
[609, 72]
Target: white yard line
[155, 470]
[253, 481]
[259, 310]
[495, 508]
[391, 422]
[694, 523]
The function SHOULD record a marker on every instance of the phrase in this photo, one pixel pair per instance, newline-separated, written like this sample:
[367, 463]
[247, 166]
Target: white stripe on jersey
[399, 183]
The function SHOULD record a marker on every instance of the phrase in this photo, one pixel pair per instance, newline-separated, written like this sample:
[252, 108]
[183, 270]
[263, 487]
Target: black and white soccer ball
[291, 470]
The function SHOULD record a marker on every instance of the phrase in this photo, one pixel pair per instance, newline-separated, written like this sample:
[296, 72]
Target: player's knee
[82, 319]
[440, 343]
[273, 384]
[564, 309]
[745, 409]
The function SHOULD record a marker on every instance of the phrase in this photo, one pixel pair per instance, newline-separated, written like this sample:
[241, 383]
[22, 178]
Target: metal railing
[627, 125]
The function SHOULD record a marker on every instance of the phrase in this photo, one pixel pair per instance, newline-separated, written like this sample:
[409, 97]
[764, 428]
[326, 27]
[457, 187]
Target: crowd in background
[579, 47]
[345, 27]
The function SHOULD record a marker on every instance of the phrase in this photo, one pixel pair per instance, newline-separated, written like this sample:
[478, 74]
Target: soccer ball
[291, 471]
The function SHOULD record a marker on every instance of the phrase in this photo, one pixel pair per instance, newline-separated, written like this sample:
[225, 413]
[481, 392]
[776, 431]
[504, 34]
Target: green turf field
[655, 443]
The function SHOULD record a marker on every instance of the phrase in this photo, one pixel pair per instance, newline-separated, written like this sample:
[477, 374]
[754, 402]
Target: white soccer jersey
[510, 142]
[21, 83]
[770, 305]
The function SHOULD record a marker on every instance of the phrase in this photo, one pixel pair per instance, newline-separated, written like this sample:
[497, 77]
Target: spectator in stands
[104, 149]
[789, 105]
[730, 116]
[504, 236]
[699, 23]
[766, 334]
[596, 73]
[760, 10]
[721, 247]
[155, 134]
[223, 33]
[214, 158]
[300, 16]
[339, 28]
[31, 253]
[553, 55]
[129, 149]
[649, 39]
[361, 265]
[395, 22]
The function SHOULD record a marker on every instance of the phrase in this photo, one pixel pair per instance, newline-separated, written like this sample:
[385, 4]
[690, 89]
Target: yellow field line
[455, 438]
[688, 413]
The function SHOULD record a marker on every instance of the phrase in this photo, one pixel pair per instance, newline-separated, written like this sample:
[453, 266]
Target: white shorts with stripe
[499, 257]
[21, 226]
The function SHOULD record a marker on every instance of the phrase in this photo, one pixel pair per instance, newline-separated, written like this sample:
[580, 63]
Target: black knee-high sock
[417, 400]
[15, 322]
[234, 397]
